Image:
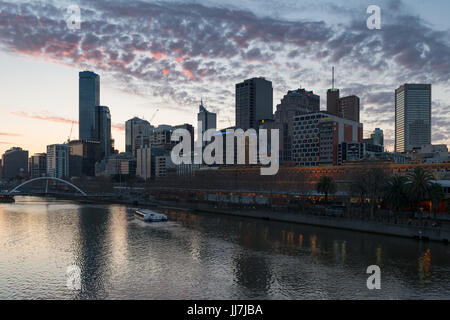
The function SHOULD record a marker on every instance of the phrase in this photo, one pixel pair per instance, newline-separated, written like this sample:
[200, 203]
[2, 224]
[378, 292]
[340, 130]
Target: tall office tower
[58, 160]
[37, 165]
[333, 101]
[208, 119]
[83, 156]
[89, 98]
[15, 163]
[412, 116]
[377, 137]
[348, 108]
[254, 102]
[133, 128]
[103, 130]
[295, 102]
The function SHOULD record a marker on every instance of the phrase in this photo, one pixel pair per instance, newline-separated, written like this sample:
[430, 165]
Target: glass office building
[412, 116]
[89, 98]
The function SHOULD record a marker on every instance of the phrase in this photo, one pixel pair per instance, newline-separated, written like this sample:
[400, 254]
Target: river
[202, 256]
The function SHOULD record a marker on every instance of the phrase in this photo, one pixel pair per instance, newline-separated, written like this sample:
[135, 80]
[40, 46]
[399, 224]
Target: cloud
[10, 134]
[116, 126]
[174, 52]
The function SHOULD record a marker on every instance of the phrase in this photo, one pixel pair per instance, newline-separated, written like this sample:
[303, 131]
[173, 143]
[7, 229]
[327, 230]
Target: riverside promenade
[393, 227]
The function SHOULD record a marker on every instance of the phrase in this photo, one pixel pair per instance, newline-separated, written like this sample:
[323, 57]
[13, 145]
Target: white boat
[149, 215]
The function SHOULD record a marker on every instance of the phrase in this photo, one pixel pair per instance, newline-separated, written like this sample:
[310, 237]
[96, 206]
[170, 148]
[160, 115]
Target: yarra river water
[203, 256]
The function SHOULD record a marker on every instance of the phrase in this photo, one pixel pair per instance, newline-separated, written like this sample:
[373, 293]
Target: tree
[395, 194]
[436, 195]
[369, 184]
[326, 185]
[358, 186]
[419, 186]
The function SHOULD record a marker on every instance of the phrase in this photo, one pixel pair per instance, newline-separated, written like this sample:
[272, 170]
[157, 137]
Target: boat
[149, 215]
[6, 198]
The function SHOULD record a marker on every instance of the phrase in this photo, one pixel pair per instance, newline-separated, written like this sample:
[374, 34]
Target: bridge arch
[49, 178]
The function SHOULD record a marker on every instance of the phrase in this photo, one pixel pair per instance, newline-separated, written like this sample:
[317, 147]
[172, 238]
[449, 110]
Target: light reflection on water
[202, 256]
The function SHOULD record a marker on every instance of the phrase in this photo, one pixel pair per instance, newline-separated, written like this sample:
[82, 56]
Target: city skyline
[48, 73]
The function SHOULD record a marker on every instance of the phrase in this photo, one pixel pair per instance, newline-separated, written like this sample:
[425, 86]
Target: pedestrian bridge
[15, 190]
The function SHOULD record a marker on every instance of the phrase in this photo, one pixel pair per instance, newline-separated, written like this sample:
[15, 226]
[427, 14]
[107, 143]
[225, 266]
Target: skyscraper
[412, 116]
[254, 102]
[333, 101]
[37, 165]
[89, 98]
[295, 102]
[378, 137]
[103, 130]
[133, 128]
[348, 108]
[58, 160]
[15, 163]
[208, 119]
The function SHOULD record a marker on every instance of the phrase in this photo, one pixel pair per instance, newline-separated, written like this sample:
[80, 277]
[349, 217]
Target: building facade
[58, 161]
[133, 128]
[15, 163]
[317, 137]
[349, 108]
[295, 102]
[103, 130]
[207, 119]
[37, 165]
[412, 116]
[89, 98]
[144, 162]
[254, 102]
[84, 154]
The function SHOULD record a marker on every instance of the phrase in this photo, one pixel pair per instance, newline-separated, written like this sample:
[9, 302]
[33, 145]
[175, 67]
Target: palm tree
[418, 188]
[436, 195]
[396, 194]
[327, 186]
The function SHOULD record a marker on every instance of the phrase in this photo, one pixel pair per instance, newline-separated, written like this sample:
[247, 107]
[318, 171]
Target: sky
[167, 55]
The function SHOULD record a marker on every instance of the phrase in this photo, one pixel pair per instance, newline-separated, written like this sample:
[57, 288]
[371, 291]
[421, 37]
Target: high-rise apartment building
[333, 101]
[207, 119]
[133, 128]
[348, 108]
[37, 165]
[15, 163]
[89, 98]
[83, 156]
[58, 160]
[144, 162]
[254, 102]
[103, 130]
[377, 137]
[412, 116]
[295, 102]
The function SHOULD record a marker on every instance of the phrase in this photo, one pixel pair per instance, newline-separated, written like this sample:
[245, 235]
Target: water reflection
[204, 256]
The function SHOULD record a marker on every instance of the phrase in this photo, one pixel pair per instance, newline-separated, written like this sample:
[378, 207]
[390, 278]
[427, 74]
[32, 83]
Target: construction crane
[70, 134]
[153, 116]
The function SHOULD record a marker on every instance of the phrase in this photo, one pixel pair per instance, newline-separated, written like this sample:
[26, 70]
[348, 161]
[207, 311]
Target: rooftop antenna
[332, 78]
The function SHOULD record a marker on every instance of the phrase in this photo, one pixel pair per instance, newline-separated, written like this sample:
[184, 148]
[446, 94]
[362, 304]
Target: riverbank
[440, 234]
[432, 233]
